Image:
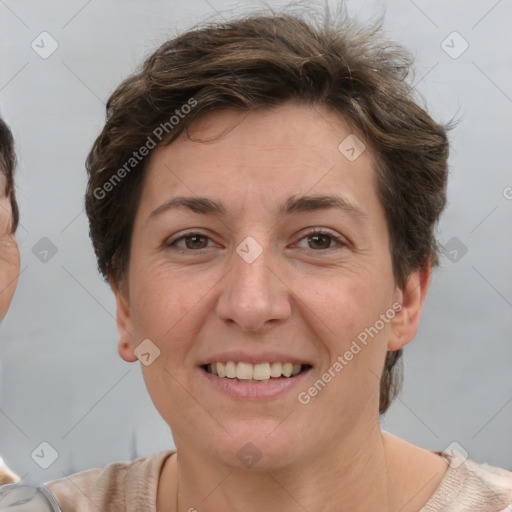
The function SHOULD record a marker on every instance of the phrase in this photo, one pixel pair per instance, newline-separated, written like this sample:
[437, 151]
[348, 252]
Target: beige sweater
[132, 487]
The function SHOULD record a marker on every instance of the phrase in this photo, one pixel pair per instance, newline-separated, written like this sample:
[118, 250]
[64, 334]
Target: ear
[124, 322]
[404, 325]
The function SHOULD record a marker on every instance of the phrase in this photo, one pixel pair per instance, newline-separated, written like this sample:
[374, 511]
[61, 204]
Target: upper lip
[253, 358]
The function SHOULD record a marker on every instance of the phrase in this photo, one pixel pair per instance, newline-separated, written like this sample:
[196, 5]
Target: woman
[9, 254]
[262, 201]
[13, 496]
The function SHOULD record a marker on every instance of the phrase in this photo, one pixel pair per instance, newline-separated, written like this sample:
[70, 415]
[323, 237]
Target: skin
[9, 274]
[9, 253]
[302, 296]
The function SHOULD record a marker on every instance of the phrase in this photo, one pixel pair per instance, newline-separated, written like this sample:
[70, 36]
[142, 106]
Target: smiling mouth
[259, 373]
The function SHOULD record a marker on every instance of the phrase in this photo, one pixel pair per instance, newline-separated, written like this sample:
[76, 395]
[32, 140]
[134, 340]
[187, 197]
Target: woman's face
[9, 254]
[252, 283]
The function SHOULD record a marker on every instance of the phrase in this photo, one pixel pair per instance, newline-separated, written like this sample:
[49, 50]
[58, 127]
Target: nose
[254, 295]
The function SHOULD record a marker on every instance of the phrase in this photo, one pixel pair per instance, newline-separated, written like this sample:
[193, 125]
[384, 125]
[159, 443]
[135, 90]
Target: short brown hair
[261, 61]
[7, 166]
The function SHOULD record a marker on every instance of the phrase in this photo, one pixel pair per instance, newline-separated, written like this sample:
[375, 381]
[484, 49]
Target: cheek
[344, 305]
[346, 310]
[169, 306]
[5, 217]
[9, 271]
[347, 384]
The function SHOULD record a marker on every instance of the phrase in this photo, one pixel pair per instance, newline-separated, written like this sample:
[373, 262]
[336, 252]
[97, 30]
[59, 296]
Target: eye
[191, 240]
[318, 239]
[321, 239]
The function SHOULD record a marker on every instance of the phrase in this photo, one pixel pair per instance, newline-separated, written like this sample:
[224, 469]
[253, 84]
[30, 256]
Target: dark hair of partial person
[258, 62]
[7, 166]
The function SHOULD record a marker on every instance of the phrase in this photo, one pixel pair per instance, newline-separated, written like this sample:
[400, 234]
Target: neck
[351, 476]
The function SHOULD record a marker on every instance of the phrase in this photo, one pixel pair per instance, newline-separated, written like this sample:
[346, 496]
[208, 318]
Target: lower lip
[270, 389]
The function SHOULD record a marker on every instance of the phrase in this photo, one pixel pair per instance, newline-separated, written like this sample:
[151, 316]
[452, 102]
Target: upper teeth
[248, 371]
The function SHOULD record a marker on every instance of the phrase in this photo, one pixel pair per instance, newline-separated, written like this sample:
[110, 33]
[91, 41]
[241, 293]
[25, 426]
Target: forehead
[298, 131]
[262, 154]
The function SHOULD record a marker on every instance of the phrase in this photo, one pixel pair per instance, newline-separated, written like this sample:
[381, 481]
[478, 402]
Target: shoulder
[471, 486]
[116, 487]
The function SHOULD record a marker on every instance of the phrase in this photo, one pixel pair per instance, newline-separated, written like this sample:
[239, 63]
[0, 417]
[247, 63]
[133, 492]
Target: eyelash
[342, 243]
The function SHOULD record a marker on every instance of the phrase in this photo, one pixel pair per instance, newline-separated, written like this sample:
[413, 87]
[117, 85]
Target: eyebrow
[293, 204]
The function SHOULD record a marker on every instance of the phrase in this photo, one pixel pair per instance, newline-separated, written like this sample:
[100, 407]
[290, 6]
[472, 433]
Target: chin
[260, 445]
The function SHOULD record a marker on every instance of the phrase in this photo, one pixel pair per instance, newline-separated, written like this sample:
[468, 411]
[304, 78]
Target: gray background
[62, 381]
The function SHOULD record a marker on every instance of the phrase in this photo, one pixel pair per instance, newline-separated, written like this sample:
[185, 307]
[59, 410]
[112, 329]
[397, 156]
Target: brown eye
[191, 241]
[320, 240]
[196, 241]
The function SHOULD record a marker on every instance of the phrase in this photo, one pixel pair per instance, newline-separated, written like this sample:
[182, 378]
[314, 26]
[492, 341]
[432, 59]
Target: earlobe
[404, 325]
[124, 323]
